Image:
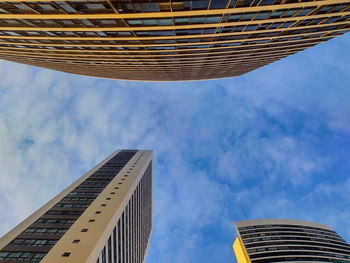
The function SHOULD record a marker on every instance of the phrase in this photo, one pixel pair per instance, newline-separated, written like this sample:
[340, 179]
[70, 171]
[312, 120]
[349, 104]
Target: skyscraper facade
[164, 39]
[281, 240]
[104, 217]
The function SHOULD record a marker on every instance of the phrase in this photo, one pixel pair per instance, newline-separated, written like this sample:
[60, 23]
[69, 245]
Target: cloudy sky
[274, 143]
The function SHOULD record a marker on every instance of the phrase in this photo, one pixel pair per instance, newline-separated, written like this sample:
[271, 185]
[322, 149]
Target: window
[109, 251]
[26, 255]
[14, 254]
[114, 246]
[104, 255]
[213, 19]
[43, 230]
[218, 4]
[267, 2]
[16, 241]
[40, 242]
[181, 20]
[28, 242]
[29, 230]
[305, 11]
[290, 13]
[165, 22]
[39, 256]
[51, 242]
[150, 7]
[247, 16]
[262, 16]
[3, 254]
[135, 22]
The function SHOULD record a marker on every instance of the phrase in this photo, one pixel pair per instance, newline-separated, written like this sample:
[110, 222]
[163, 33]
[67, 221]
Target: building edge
[241, 254]
[279, 221]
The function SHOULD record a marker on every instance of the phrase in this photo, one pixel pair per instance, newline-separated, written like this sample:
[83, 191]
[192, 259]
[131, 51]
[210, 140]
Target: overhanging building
[104, 217]
[281, 240]
[163, 39]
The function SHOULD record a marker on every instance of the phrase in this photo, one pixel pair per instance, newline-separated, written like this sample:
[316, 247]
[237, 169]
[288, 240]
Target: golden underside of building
[162, 40]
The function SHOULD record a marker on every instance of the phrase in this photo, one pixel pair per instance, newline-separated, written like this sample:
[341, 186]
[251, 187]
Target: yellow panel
[240, 253]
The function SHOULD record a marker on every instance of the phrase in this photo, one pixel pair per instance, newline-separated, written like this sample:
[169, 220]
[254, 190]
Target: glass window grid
[316, 232]
[223, 18]
[268, 241]
[277, 253]
[26, 256]
[304, 247]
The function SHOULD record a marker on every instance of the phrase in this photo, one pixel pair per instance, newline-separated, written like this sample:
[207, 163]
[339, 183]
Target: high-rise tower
[164, 39]
[104, 217]
[281, 240]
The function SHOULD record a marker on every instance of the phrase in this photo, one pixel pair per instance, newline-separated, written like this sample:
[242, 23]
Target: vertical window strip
[109, 250]
[142, 218]
[126, 233]
[133, 227]
[119, 242]
[123, 237]
[114, 245]
[138, 225]
[130, 229]
[104, 255]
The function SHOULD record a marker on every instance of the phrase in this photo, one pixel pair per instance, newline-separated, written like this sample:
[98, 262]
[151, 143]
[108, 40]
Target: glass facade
[165, 40]
[285, 241]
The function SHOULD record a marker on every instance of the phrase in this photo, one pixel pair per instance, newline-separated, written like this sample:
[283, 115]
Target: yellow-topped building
[164, 40]
[285, 240]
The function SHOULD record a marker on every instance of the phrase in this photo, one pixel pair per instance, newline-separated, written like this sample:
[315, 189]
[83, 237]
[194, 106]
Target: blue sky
[273, 143]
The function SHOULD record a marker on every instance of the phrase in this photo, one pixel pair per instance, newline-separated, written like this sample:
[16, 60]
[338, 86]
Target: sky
[273, 143]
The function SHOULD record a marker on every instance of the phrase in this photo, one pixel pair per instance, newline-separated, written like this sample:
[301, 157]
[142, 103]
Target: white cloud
[227, 168]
